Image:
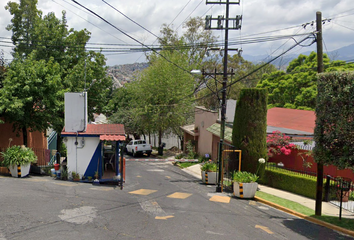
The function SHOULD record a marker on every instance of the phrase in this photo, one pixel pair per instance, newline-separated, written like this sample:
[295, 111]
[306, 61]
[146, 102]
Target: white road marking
[215, 233]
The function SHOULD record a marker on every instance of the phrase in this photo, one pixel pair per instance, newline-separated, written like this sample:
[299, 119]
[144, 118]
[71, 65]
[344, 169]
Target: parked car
[135, 147]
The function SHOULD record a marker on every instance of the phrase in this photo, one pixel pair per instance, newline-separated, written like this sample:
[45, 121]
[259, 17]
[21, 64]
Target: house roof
[105, 131]
[300, 120]
[215, 130]
[190, 129]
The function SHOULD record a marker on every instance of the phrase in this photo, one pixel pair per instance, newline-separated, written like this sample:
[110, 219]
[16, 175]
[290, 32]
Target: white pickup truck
[135, 147]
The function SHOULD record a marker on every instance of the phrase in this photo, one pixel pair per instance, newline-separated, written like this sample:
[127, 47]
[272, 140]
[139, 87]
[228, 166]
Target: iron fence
[279, 167]
[340, 192]
[231, 159]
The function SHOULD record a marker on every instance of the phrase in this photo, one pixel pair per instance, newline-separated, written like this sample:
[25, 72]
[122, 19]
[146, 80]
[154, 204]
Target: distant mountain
[345, 53]
[122, 74]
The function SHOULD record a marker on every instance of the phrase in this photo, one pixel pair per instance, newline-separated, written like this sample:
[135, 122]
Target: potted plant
[18, 159]
[209, 172]
[96, 175]
[64, 174]
[75, 176]
[245, 183]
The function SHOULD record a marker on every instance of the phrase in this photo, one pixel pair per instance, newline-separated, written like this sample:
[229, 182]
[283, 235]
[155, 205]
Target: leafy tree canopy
[49, 44]
[335, 120]
[160, 100]
[297, 87]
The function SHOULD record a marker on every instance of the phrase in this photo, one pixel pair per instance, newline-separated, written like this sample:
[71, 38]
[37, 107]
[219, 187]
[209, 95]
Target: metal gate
[231, 161]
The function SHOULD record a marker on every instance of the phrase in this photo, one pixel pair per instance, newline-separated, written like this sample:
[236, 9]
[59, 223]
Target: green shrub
[209, 167]
[244, 177]
[17, 155]
[290, 181]
[179, 156]
[250, 128]
[351, 196]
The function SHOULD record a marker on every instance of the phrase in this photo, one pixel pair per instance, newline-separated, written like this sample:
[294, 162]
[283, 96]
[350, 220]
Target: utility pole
[318, 208]
[236, 26]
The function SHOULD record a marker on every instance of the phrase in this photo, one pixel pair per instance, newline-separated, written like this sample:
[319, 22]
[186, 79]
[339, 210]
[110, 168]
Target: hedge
[290, 181]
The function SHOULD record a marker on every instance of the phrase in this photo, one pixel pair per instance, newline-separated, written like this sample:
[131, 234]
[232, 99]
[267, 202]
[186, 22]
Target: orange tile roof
[301, 120]
[100, 129]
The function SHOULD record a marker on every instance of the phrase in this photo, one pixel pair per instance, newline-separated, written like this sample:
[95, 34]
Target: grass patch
[344, 223]
[286, 203]
[186, 164]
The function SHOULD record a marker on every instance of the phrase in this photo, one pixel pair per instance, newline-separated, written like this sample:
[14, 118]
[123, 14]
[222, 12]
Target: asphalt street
[158, 201]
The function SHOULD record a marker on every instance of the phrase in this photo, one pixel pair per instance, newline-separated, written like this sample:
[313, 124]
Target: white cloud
[258, 16]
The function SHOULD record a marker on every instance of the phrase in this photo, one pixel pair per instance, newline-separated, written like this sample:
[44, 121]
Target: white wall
[79, 156]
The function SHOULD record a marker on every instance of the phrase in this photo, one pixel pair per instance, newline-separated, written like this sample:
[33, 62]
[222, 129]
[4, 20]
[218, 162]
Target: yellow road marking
[163, 218]
[179, 195]
[138, 176]
[266, 229]
[222, 199]
[143, 191]
[168, 177]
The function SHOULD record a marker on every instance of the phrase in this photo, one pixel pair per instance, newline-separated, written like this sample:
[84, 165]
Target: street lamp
[196, 72]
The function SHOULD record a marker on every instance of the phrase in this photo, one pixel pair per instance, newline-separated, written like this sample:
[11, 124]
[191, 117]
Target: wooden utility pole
[220, 25]
[318, 209]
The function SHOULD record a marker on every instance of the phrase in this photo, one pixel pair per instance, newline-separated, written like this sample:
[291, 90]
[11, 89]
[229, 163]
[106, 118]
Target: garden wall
[295, 162]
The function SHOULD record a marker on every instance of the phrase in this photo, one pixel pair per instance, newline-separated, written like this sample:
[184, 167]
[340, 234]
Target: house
[94, 150]
[197, 133]
[293, 122]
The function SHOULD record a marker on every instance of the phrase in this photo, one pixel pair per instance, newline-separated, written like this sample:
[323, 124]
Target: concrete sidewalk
[328, 209]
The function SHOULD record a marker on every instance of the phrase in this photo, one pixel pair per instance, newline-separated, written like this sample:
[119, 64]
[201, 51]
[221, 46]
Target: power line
[260, 67]
[131, 19]
[189, 14]
[86, 20]
[130, 36]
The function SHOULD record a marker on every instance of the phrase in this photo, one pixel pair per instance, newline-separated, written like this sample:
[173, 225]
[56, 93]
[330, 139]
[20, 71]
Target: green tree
[297, 87]
[30, 94]
[49, 39]
[241, 69]
[250, 127]
[165, 92]
[335, 120]
[23, 25]
[160, 100]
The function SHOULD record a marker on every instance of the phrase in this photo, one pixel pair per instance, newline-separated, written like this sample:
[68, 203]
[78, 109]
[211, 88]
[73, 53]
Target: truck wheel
[148, 154]
[134, 154]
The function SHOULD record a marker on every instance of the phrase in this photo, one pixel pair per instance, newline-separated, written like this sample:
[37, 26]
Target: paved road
[159, 201]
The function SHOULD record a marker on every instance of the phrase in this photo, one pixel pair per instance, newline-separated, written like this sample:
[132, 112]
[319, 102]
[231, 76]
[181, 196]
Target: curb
[311, 219]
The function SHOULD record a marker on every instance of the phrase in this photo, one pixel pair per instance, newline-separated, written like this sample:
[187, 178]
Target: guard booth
[92, 149]
[95, 151]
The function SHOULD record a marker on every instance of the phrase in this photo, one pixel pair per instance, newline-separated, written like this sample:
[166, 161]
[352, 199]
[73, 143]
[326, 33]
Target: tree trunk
[24, 135]
[160, 137]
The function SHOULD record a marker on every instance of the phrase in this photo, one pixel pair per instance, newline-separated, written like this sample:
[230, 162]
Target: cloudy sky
[261, 18]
